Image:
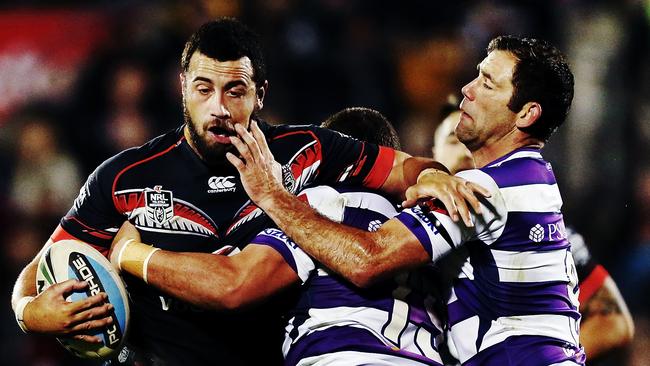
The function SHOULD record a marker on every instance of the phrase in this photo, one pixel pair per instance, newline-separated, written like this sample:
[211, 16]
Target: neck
[188, 138]
[489, 153]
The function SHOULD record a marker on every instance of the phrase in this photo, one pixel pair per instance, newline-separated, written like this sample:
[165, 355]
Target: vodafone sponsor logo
[221, 184]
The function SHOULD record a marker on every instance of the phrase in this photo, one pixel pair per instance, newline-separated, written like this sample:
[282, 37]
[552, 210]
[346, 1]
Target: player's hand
[50, 313]
[260, 174]
[455, 194]
[128, 232]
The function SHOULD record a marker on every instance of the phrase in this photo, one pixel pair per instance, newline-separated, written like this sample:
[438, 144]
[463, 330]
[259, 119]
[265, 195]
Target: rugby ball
[72, 259]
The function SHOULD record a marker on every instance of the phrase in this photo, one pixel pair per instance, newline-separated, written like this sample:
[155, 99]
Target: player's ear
[260, 93]
[181, 77]
[528, 114]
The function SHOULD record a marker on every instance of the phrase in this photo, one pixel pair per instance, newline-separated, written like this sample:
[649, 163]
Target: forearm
[26, 283]
[210, 281]
[202, 279]
[359, 256]
[205, 280]
[405, 172]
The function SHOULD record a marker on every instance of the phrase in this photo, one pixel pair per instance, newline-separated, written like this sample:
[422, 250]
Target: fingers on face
[241, 147]
[261, 140]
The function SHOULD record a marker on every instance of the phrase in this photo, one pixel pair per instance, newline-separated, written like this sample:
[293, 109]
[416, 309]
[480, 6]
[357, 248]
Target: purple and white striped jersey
[515, 301]
[336, 322]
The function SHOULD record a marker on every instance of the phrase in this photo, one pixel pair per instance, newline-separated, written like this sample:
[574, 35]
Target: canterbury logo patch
[221, 184]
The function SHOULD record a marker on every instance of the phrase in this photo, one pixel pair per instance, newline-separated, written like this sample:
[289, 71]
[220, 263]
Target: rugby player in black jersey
[182, 194]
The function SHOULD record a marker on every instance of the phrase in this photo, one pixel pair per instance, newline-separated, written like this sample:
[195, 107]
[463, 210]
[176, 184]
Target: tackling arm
[210, 281]
[359, 256]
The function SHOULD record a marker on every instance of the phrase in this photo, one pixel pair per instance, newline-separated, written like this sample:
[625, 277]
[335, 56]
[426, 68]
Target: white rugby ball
[72, 259]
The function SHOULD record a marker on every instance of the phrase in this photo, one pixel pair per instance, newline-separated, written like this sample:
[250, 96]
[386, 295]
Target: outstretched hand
[455, 193]
[260, 174]
[50, 312]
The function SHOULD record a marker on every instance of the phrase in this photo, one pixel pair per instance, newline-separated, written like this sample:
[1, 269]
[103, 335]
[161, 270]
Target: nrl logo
[159, 204]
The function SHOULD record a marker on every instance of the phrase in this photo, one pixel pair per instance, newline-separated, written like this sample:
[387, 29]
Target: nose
[218, 107]
[468, 89]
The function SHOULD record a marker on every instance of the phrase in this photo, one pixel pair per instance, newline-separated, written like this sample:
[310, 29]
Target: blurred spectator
[46, 178]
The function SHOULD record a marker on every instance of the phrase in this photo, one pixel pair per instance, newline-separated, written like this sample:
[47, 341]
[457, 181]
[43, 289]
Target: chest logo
[159, 204]
[221, 184]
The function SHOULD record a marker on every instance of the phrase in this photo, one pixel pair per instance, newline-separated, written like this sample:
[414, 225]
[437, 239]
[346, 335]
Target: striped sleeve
[298, 260]
[438, 234]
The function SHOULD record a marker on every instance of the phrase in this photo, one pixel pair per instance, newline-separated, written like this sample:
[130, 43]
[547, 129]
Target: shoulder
[291, 131]
[155, 147]
[521, 167]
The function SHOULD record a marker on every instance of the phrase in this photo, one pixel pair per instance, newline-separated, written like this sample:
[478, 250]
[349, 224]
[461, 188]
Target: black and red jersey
[179, 203]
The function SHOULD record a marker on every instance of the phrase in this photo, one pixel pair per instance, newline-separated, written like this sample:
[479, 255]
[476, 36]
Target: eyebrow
[230, 84]
[486, 74]
[202, 78]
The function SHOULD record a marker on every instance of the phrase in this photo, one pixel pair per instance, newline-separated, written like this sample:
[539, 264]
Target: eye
[486, 86]
[235, 93]
[203, 89]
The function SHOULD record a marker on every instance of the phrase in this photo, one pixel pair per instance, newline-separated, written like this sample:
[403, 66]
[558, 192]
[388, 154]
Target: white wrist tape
[146, 264]
[20, 309]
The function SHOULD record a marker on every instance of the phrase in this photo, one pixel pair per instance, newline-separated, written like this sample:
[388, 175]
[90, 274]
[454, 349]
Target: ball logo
[536, 233]
[221, 184]
[84, 271]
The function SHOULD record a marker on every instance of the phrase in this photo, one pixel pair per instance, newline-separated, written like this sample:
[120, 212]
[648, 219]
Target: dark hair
[364, 124]
[226, 39]
[541, 75]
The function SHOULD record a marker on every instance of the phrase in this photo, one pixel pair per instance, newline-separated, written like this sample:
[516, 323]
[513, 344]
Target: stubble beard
[213, 155]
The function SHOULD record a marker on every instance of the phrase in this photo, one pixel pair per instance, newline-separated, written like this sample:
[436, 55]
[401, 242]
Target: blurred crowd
[89, 81]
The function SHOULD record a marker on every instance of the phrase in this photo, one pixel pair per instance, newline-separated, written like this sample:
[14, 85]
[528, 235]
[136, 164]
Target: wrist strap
[20, 309]
[431, 171]
[134, 258]
[145, 265]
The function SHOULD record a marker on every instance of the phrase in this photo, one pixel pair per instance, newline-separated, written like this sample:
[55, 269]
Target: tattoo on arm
[602, 303]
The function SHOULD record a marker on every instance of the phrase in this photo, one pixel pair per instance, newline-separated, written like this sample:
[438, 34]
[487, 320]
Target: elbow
[365, 275]
[627, 333]
[218, 293]
[228, 297]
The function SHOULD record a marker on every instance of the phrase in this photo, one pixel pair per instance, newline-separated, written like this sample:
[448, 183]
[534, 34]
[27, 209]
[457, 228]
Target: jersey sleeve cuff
[381, 170]
[298, 260]
[592, 283]
[415, 226]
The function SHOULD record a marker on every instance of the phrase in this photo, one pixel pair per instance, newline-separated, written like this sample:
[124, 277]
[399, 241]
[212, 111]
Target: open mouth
[221, 131]
[220, 134]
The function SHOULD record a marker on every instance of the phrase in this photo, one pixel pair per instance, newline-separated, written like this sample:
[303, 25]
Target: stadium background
[80, 81]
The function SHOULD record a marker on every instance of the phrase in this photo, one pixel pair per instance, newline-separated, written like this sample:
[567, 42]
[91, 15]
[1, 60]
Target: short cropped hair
[541, 75]
[226, 39]
[364, 124]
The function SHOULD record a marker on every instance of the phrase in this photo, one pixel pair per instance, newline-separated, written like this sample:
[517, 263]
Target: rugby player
[183, 195]
[516, 299]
